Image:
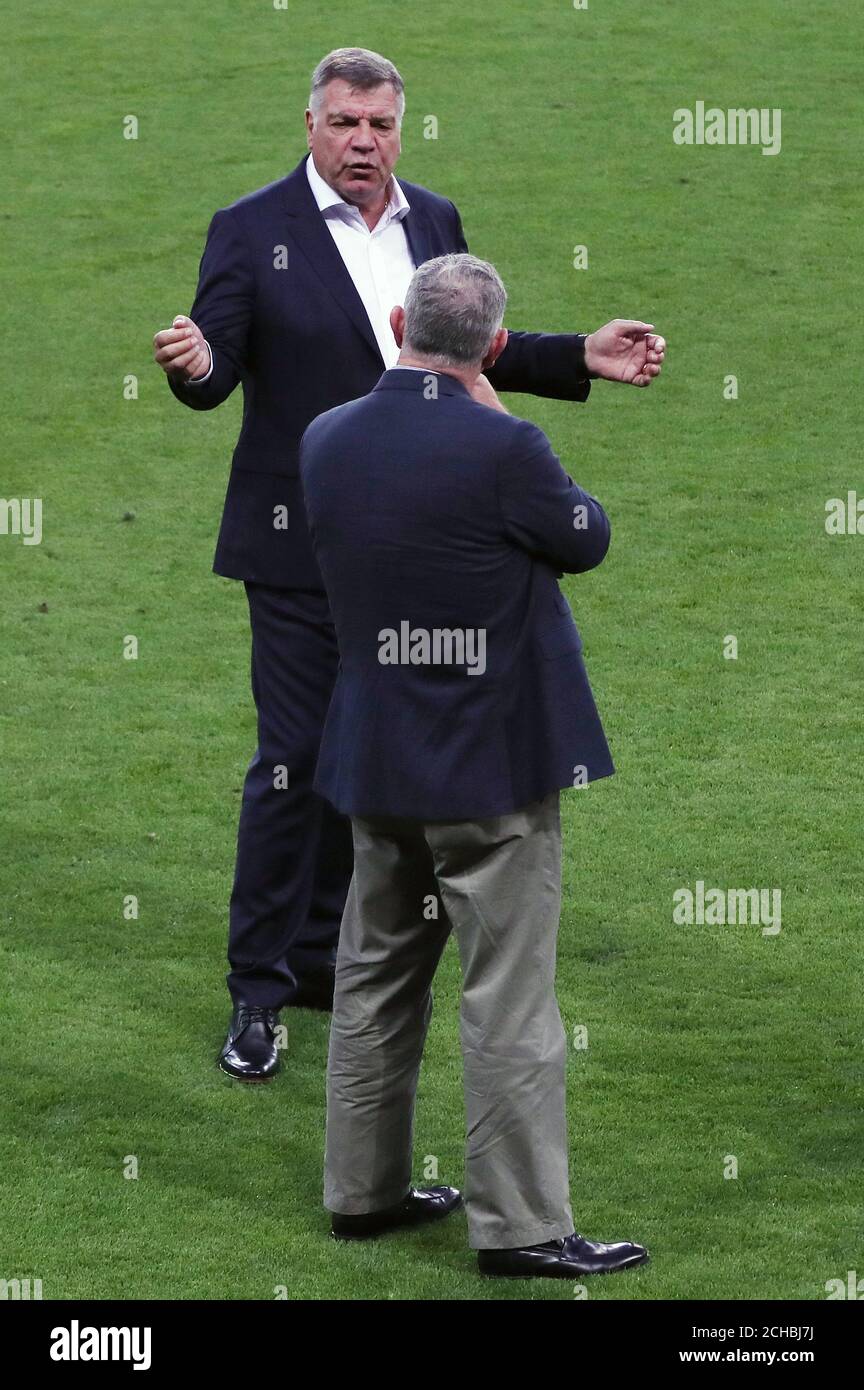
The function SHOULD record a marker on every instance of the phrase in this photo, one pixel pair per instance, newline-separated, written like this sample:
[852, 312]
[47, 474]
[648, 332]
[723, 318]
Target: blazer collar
[309, 230]
[407, 379]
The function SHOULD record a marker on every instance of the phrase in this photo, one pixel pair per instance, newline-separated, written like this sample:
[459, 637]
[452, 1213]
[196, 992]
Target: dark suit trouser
[294, 851]
[499, 883]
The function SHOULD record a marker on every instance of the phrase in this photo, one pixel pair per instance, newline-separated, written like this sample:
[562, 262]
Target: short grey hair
[453, 308]
[361, 68]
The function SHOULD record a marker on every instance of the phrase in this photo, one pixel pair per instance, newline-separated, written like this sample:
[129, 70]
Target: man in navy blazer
[440, 531]
[296, 284]
[461, 709]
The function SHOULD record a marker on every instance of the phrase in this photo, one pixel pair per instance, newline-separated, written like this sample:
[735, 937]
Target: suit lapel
[309, 231]
[417, 231]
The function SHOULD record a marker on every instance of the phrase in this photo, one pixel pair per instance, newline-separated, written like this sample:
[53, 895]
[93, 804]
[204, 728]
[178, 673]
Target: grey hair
[453, 308]
[361, 68]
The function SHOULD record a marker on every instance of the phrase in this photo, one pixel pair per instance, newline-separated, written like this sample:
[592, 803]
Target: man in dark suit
[460, 710]
[296, 284]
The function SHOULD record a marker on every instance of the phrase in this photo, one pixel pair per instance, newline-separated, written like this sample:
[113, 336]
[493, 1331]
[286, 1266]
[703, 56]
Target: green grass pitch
[123, 777]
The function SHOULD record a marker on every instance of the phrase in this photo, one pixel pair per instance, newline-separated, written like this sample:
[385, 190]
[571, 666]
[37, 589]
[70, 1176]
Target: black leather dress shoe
[569, 1258]
[314, 990]
[421, 1206]
[250, 1052]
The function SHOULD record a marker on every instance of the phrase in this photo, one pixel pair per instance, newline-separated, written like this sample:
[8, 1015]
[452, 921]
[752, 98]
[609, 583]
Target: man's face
[354, 140]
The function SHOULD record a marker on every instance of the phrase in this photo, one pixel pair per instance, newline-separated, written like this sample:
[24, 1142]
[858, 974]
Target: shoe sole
[394, 1230]
[548, 1273]
[247, 1080]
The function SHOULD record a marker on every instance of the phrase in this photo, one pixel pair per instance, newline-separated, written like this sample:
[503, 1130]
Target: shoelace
[255, 1013]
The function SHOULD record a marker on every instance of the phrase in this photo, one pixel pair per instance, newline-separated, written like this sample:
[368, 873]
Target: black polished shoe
[569, 1258]
[250, 1052]
[314, 990]
[421, 1206]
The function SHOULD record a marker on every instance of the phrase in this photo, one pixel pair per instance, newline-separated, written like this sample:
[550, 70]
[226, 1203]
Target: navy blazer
[281, 313]
[433, 516]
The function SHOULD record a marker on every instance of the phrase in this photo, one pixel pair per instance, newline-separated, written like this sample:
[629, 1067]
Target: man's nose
[363, 137]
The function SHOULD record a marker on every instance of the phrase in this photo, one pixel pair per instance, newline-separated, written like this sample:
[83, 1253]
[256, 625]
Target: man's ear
[496, 347]
[397, 323]
[310, 121]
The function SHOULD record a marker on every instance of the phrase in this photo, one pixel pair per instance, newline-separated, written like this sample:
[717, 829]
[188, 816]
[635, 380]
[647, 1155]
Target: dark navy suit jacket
[281, 313]
[431, 511]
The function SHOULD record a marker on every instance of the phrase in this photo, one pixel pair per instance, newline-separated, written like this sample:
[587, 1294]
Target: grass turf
[123, 777]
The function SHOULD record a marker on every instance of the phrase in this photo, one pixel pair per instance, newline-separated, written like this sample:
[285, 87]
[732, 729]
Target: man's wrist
[199, 380]
[587, 356]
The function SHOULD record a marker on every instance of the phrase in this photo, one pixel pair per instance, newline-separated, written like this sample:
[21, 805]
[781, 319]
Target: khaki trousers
[498, 882]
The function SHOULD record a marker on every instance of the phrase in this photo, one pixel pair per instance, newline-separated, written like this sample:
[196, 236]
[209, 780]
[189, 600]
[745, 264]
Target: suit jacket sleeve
[223, 311]
[542, 364]
[544, 511]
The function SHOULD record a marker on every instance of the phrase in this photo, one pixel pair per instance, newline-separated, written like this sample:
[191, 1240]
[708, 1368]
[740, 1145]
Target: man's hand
[625, 350]
[485, 394]
[181, 350]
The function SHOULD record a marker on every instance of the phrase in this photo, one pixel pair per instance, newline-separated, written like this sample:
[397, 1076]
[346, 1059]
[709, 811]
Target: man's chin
[362, 190]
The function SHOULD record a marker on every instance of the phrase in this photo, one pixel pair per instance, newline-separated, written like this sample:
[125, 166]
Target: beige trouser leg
[499, 881]
[388, 953]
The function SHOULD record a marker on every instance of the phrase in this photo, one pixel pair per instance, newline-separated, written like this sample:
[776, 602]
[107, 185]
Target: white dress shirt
[379, 261]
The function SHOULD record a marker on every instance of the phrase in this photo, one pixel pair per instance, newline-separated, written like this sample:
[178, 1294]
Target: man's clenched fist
[626, 350]
[181, 350]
